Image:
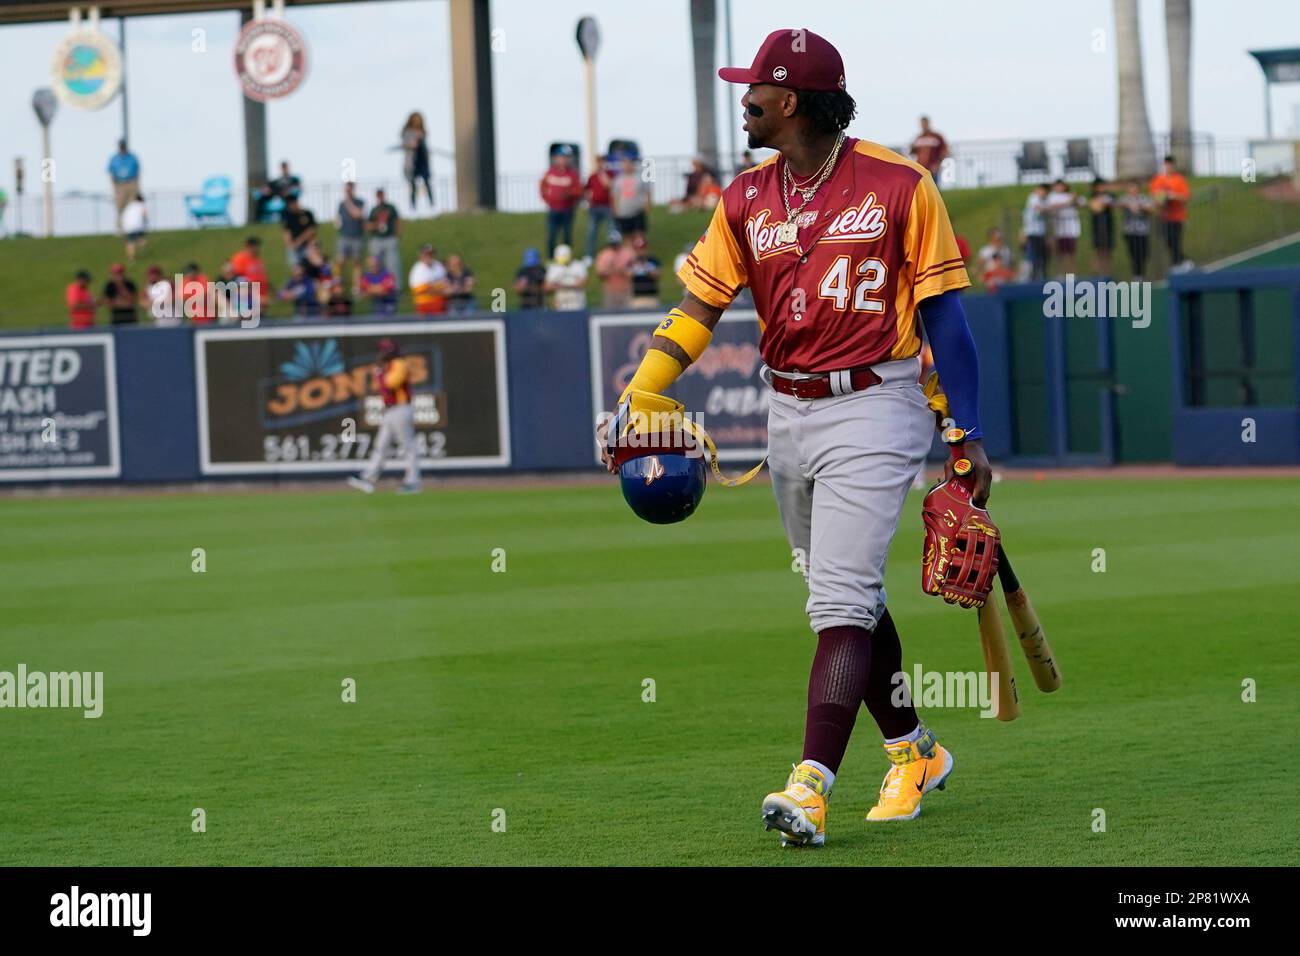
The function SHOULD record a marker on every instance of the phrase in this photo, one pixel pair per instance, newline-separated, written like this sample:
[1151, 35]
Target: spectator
[1170, 191]
[930, 149]
[696, 179]
[81, 301]
[339, 303]
[124, 171]
[286, 184]
[380, 285]
[314, 261]
[995, 272]
[351, 219]
[614, 268]
[300, 289]
[1063, 205]
[159, 297]
[1102, 214]
[994, 245]
[1135, 222]
[428, 282]
[460, 286]
[561, 189]
[227, 293]
[250, 267]
[963, 247]
[385, 228]
[1034, 227]
[194, 295]
[530, 281]
[597, 196]
[282, 187]
[415, 165]
[629, 201]
[299, 230]
[645, 275]
[121, 296]
[135, 223]
[746, 162]
[709, 193]
[566, 280]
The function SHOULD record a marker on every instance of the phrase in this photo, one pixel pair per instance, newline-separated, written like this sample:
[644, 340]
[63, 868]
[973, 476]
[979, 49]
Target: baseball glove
[960, 556]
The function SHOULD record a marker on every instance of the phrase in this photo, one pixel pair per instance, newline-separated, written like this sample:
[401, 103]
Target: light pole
[44, 103]
[588, 43]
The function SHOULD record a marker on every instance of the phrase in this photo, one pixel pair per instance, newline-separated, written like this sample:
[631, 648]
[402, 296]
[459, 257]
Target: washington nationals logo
[270, 59]
[654, 469]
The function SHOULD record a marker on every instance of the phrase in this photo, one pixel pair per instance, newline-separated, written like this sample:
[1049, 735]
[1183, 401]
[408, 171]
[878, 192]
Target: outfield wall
[520, 391]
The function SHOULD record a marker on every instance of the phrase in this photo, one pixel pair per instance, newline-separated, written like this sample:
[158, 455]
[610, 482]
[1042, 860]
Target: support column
[472, 113]
[254, 139]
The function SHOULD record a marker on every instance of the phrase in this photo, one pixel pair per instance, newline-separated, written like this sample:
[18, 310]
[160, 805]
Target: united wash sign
[58, 408]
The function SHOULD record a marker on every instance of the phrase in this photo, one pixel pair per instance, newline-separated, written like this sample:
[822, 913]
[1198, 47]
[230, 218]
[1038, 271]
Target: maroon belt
[823, 386]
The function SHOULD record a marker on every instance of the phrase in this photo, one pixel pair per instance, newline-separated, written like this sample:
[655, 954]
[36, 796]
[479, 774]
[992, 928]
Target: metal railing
[975, 164]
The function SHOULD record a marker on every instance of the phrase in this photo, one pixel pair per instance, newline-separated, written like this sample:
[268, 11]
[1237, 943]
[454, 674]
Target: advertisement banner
[722, 389]
[58, 408]
[304, 398]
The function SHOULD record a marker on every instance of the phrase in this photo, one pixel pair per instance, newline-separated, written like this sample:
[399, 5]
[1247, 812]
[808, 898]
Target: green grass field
[1227, 217]
[522, 690]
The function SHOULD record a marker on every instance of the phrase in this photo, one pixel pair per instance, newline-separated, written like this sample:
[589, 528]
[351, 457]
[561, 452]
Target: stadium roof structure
[38, 11]
[471, 62]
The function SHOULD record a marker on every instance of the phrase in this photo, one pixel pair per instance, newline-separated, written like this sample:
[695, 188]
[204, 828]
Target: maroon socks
[853, 665]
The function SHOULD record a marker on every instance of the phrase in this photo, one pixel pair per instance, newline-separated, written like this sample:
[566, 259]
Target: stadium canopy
[38, 11]
[1279, 66]
[471, 78]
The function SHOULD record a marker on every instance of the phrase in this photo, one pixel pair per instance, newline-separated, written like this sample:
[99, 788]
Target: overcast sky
[1000, 68]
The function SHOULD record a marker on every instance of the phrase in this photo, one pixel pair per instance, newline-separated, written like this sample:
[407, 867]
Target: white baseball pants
[841, 468]
[397, 425]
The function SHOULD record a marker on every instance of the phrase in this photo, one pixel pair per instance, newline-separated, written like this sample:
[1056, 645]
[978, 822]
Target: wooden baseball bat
[997, 660]
[1033, 640]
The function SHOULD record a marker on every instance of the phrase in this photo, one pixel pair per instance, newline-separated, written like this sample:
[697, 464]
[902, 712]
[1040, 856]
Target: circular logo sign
[270, 59]
[751, 192]
[87, 70]
[778, 73]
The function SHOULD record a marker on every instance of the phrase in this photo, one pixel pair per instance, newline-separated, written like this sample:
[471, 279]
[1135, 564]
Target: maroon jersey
[874, 241]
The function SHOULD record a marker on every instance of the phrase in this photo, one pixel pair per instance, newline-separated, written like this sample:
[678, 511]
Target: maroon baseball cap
[798, 59]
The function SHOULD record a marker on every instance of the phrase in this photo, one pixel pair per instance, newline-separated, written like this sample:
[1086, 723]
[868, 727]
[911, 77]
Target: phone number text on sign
[292, 448]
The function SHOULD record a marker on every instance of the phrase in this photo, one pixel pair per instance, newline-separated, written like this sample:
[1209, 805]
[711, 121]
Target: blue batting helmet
[662, 473]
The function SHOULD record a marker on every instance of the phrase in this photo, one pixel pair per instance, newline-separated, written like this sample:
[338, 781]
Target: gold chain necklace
[788, 231]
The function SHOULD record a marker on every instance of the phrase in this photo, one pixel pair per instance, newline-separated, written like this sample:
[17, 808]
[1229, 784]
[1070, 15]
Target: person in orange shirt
[251, 267]
[81, 301]
[393, 377]
[1170, 191]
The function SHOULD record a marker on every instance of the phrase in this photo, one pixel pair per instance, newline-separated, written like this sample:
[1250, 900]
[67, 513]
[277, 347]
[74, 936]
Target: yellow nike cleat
[799, 811]
[918, 767]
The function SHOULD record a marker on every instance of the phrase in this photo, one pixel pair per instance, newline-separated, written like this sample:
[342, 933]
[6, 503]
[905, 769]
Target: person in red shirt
[1170, 191]
[849, 254]
[996, 272]
[249, 266]
[194, 296]
[929, 149]
[81, 301]
[597, 196]
[561, 189]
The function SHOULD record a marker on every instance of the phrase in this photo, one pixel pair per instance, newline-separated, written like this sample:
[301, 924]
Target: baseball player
[846, 248]
[398, 424]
